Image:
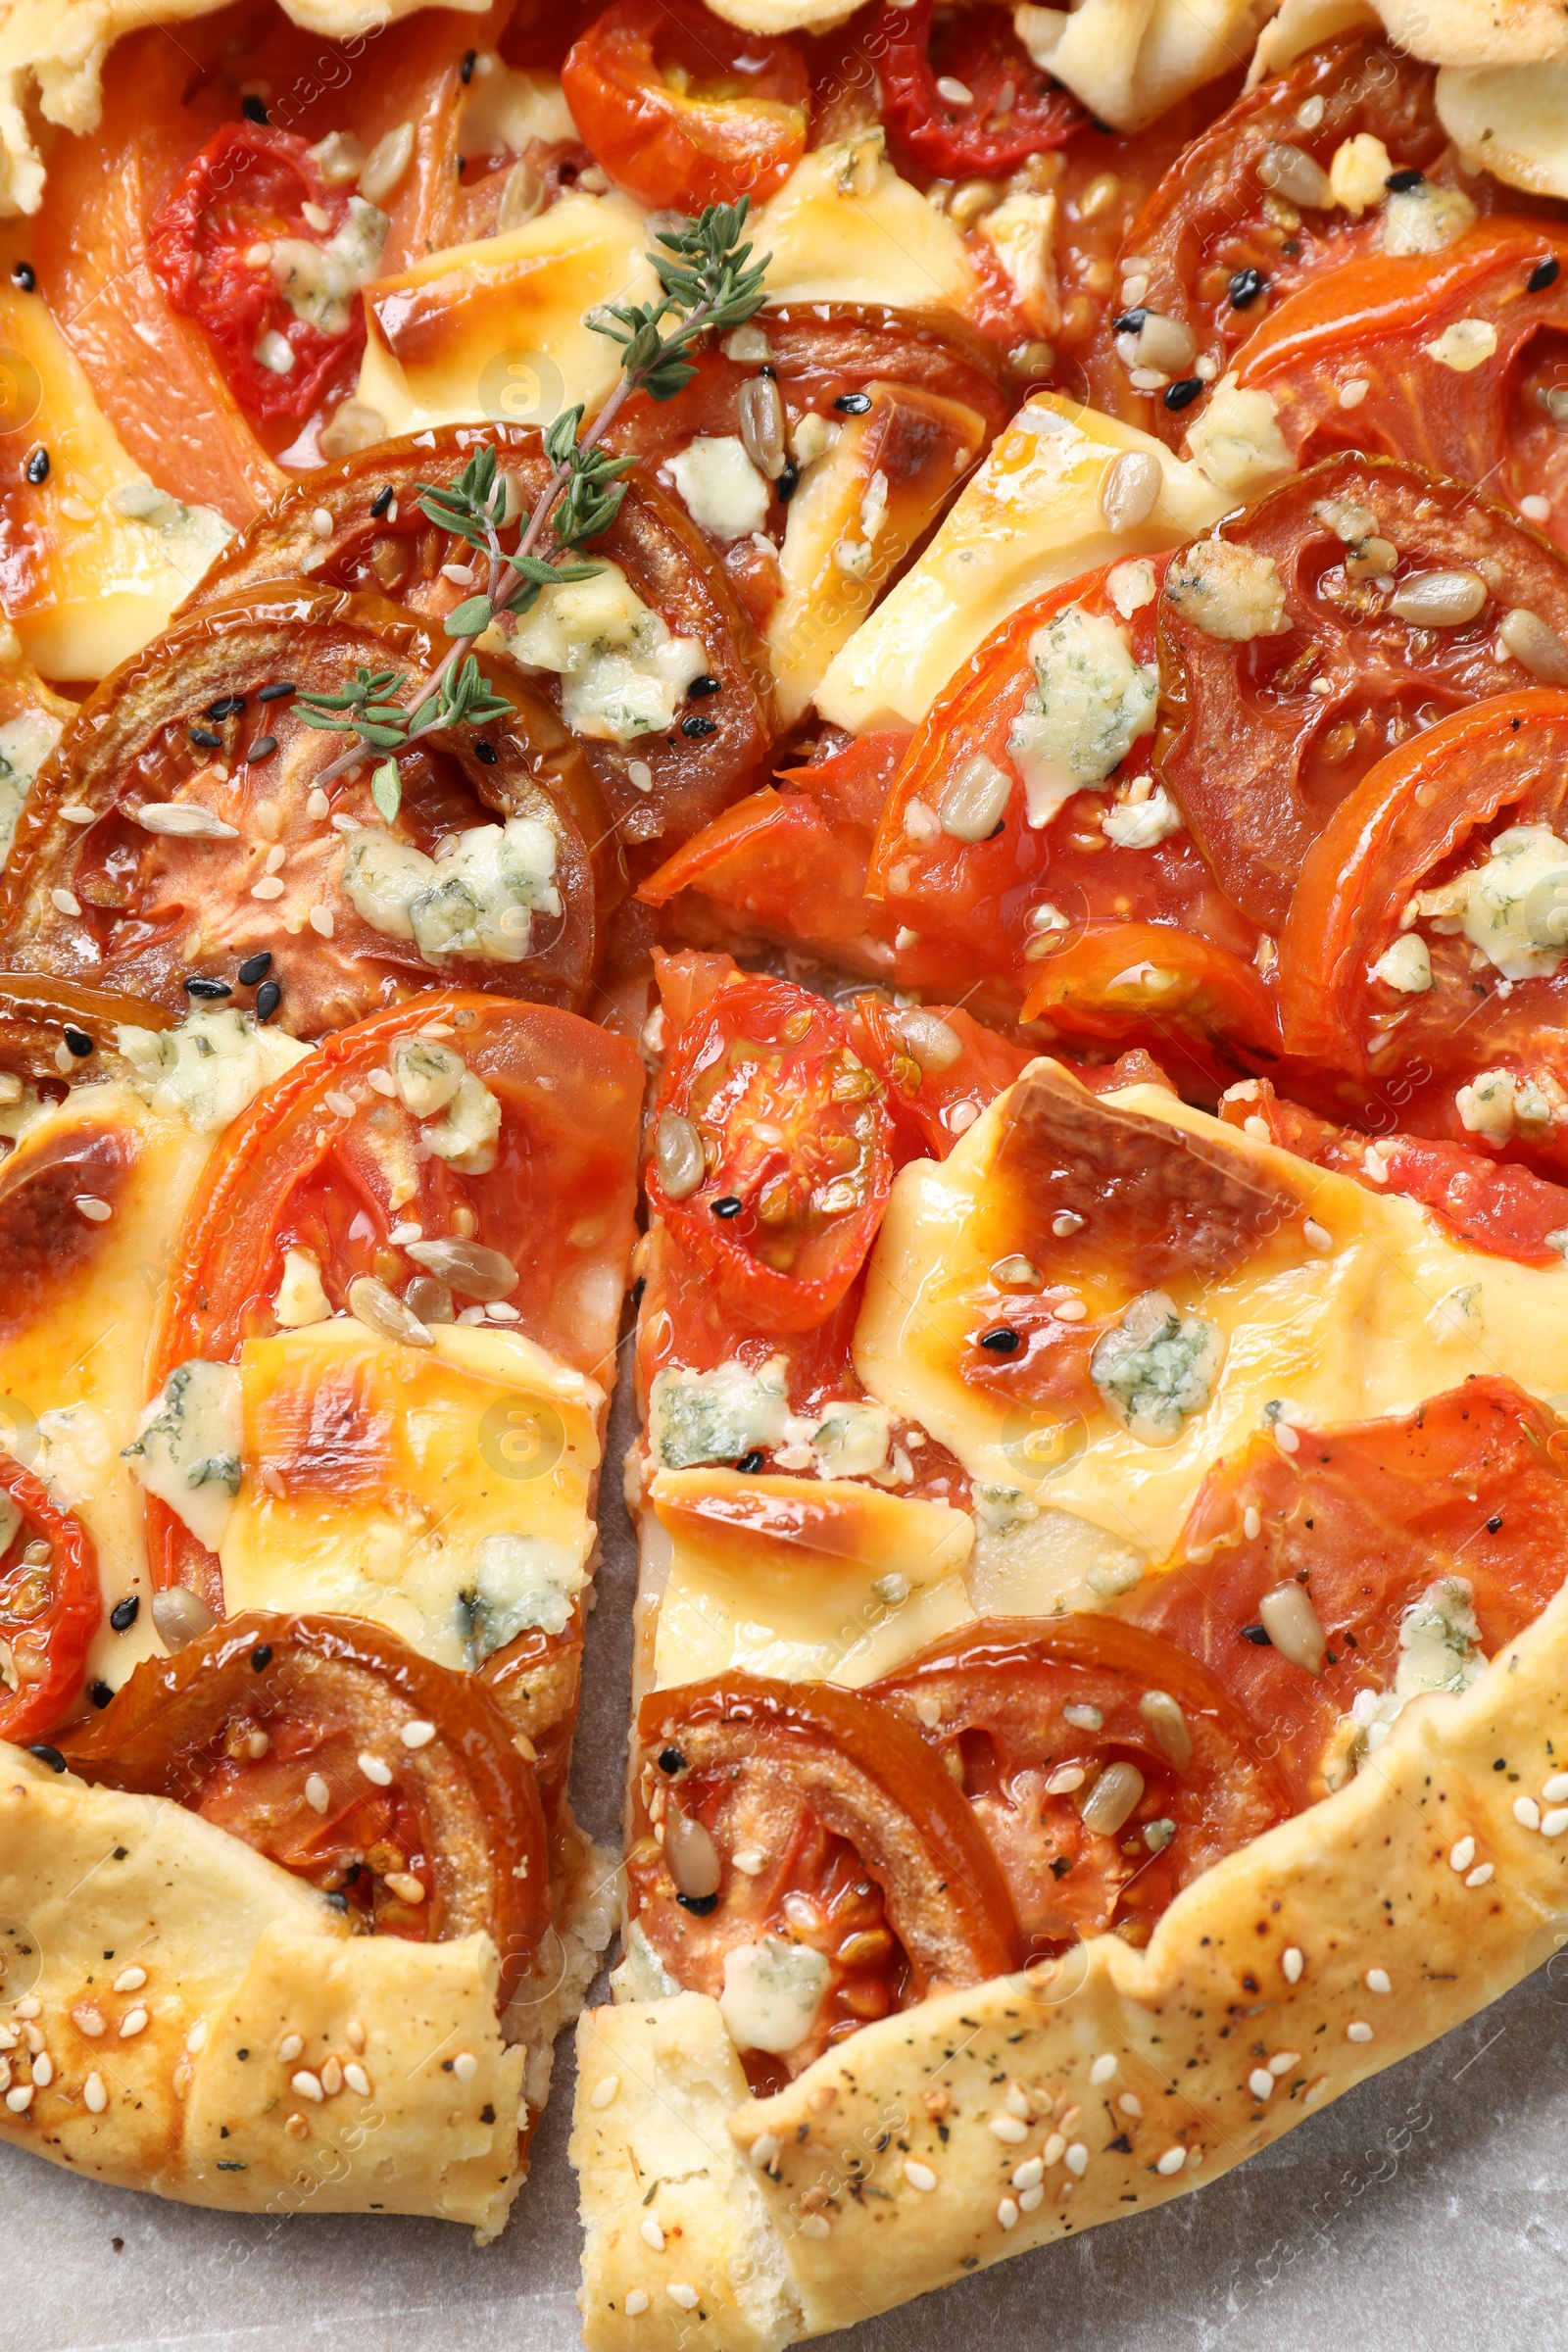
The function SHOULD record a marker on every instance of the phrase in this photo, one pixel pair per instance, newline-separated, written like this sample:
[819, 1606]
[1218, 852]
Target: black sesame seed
[703, 685]
[263, 748]
[228, 706]
[1543, 275]
[268, 997]
[772, 374]
[671, 1760]
[100, 1694]
[21, 276]
[381, 501]
[486, 753]
[47, 1755]
[260, 1657]
[1399, 183]
[229, 2163]
[38, 466]
[470, 59]
[1131, 322]
[700, 1904]
[79, 1041]
[339, 1902]
[1493, 1526]
[123, 1616]
[788, 483]
[1060, 1867]
[275, 694]
[1257, 1635]
[1499, 1763]
[1004, 1341]
[255, 967]
[852, 404]
[205, 740]
[207, 988]
[637, 1290]
[253, 110]
[1246, 287]
[697, 726]
[750, 1463]
[730, 1205]
[1182, 395]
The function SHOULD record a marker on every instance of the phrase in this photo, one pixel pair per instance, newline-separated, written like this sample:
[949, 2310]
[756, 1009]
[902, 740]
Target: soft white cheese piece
[1238, 442]
[723, 491]
[1514, 909]
[850, 1439]
[716, 1417]
[508, 106]
[1425, 220]
[189, 1448]
[426, 1074]
[477, 903]
[301, 1300]
[772, 1991]
[319, 282]
[1464, 345]
[520, 1581]
[1158, 1367]
[465, 1138]
[209, 1069]
[1142, 824]
[1227, 591]
[1407, 964]
[26, 743]
[624, 673]
[847, 228]
[1088, 705]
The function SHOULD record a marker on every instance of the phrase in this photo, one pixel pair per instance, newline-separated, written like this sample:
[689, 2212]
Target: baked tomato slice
[940, 1069]
[262, 1727]
[772, 1163]
[1452, 361]
[682, 109]
[1395, 588]
[180, 831]
[800, 1853]
[1431, 921]
[50, 1607]
[1106, 1767]
[1197, 1010]
[1009, 112]
[1325, 1584]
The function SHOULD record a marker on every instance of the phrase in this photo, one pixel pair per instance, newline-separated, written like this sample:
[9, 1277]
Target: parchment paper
[1425, 2211]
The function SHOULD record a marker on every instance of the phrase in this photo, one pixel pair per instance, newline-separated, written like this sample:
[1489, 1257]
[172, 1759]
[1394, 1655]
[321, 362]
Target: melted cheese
[845, 227]
[809, 1581]
[499, 330]
[1028, 521]
[1344, 1336]
[440, 1491]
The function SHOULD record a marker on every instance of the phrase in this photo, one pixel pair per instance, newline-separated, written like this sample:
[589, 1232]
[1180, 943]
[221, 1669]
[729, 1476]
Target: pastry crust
[1511, 120]
[1461, 34]
[882, 2166]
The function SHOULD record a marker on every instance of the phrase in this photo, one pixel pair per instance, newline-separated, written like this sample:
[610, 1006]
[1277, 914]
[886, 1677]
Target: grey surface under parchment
[1426, 2212]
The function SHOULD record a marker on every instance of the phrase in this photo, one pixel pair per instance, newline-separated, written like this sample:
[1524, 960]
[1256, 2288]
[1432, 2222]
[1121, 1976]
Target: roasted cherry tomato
[1438, 1534]
[869, 1860]
[209, 844]
[1010, 111]
[940, 1069]
[50, 1607]
[255, 189]
[1428, 835]
[684, 110]
[773, 1158]
[1265, 737]
[1106, 1768]
[1458, 353]
[260, 1727]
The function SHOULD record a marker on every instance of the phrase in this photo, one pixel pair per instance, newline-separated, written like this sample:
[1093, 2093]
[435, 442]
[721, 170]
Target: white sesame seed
[355, 2034]
[405, 1230]
[77, 812]
[1029, 2174]
[316, 803]
[1103, 2068]
[954, 91]
[321, 523]
[639, 775]
[322, 921]
[307, 2084]
[1070, 1310]
[20, 2099]
[1077, 2159]
[358, 2081]
[678, 2293]
[43, 2069]
[1052, 2152]
[291, 2047]
[1130, 2104]
[1017, 2102]
[814, 2225]
[416, 1734]
[962, 1117]
[374, 1770]
[1293, 1963]
[132, 2021]
[1354, 392]
[84, 2017]
[1030, 2199]
[1171, 2162]
[1461, 1853]
[1479, 1877]
[1009, 2127]
[1535, 508]
[1527, 1813]
[196, 2039]
[94, 2096]
[1359, 2031]
[318, 1796]
[1378, 1981]
[96, 1211]
[332, 2077]
[29, 2006]
[1007, 2214]
[340, 1105]
[501, 1310]
[651, 2233]
[274, 860]
[765, 2147]
[604, 2093]
[33, 2039]
[918, 2176]
[131, 1980]
[65, 902]
[1252, 1523]
[1283, 2060]
[269, 887]
[1260, 2083]
[1555, 1791]
[464, 2066]
[1065, 1778]
[1286, 1437]
[636, 2303]
[1553, 1824]
[1316, 1235]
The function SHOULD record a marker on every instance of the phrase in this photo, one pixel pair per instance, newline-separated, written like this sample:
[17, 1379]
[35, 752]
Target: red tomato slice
[1363, 1519]
[1496, 303]
[1189, 1002]
[1264, 739]
[871, 1856]
[248, 188]
[1012, 111]
[50, 1608]
[939, 1066]
[1423, 816]
[682, 109]
[1031, 1721]
[763, 1090]
[241, 1722]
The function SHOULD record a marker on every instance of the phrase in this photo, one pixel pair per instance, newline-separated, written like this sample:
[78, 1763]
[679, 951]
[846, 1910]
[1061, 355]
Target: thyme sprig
[708, 282]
